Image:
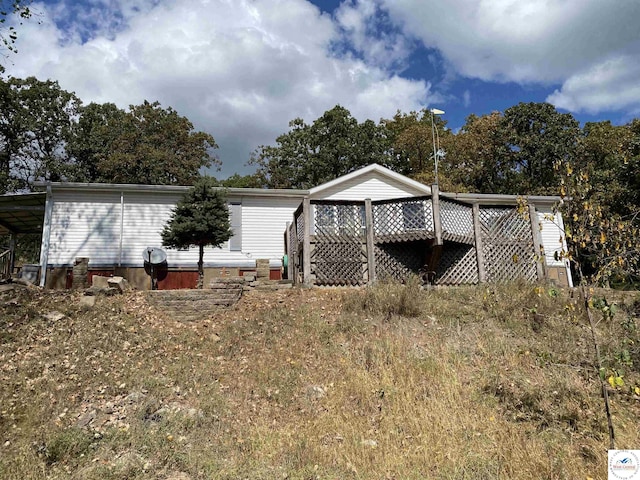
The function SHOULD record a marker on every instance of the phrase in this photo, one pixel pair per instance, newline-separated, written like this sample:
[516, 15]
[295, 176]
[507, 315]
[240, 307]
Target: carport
[20, 214]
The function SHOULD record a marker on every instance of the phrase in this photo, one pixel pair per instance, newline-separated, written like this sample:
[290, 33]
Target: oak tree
[478, 155]
[147, 144]
[36, 119]
[602, 214]
[308, 155]
[539, 139]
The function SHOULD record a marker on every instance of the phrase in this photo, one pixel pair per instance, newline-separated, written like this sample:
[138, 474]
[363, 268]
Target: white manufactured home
[111, 225]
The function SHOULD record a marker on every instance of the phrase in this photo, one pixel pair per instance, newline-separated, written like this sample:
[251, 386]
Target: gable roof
[376, 170]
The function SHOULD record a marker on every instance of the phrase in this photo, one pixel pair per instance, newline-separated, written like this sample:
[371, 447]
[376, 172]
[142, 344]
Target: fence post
[477, 233]
[287, 249]
[371, 257]
[437, 221]
[535, 233]
[46, 236]
[296, 251]
[12, 254]
[306, 241]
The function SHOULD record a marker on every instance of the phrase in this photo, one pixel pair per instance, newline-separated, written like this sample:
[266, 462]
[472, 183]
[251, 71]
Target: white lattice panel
[457, 222]
[507, 243]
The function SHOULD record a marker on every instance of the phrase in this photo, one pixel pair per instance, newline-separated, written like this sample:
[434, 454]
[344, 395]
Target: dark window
[413, 216]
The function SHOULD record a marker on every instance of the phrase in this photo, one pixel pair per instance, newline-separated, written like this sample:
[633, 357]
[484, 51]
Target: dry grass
[390, 383]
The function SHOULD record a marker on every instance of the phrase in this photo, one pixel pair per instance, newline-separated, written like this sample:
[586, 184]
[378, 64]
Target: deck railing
[354, 242]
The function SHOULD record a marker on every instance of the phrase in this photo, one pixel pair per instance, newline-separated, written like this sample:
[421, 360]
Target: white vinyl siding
[85, 229]
[264, 220]
[145, 216]
[371, 186]
[87, 224]
[552, 235]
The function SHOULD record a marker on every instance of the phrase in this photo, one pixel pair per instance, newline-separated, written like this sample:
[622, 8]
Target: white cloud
[591, 47]
[241, 69]
[238, 69]
[368, 30]
[466, 98]
[606, 86]
[520, 40]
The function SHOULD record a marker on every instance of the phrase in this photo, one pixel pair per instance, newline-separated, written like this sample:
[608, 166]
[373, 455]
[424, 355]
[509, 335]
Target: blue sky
[242, 69]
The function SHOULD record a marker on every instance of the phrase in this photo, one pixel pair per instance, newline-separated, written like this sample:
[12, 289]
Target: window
[351, 220]
[235, 219]
[325, 218]
[413, 216]
[338, 219]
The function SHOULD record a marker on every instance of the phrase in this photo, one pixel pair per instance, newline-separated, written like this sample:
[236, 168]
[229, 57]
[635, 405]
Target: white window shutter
[235, 213]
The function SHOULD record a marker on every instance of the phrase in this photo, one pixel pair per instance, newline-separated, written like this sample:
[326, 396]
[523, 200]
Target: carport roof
[22, 213]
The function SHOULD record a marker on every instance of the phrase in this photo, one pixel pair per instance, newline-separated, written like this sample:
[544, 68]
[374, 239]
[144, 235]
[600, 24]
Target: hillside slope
[385, 383]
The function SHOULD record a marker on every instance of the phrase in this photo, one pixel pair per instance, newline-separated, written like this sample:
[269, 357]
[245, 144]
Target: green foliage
[516, 153]
[603, 222]
[478, 155]
[200, 218]
[308, 155]
[623, 348]
[607, 309]
[46, 135]
[411, 137]
[539, 139]
[242, 181]
[35, 125]
[148, 144]
[96, 130]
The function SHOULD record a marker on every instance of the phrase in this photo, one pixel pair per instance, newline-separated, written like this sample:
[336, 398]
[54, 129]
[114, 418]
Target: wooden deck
[446, 240]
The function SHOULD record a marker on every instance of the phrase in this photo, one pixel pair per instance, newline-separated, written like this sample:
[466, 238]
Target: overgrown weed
[388, 298]
[386, 382]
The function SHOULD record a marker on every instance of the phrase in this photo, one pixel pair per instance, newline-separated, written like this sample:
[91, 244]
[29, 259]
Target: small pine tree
[201, 218]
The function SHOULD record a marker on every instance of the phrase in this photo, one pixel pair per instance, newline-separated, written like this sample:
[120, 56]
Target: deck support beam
[12, 253]
[371, 258]
[306, 245]
[46, 236]
[288, 250]
[477, 231]
[537, 242]
[437, 220]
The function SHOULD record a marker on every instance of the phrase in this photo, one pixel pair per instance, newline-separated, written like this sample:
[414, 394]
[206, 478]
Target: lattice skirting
[298, 264]
[299, 223]
[399, 260]
[338, 263]
[458, 265]
[509, 260]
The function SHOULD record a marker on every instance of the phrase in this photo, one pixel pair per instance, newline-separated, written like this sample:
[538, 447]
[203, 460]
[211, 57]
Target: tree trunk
[201, 268]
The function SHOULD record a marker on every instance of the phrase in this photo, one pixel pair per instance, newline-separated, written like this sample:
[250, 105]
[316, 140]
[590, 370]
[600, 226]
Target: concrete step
[189, 305]
[234, 289]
